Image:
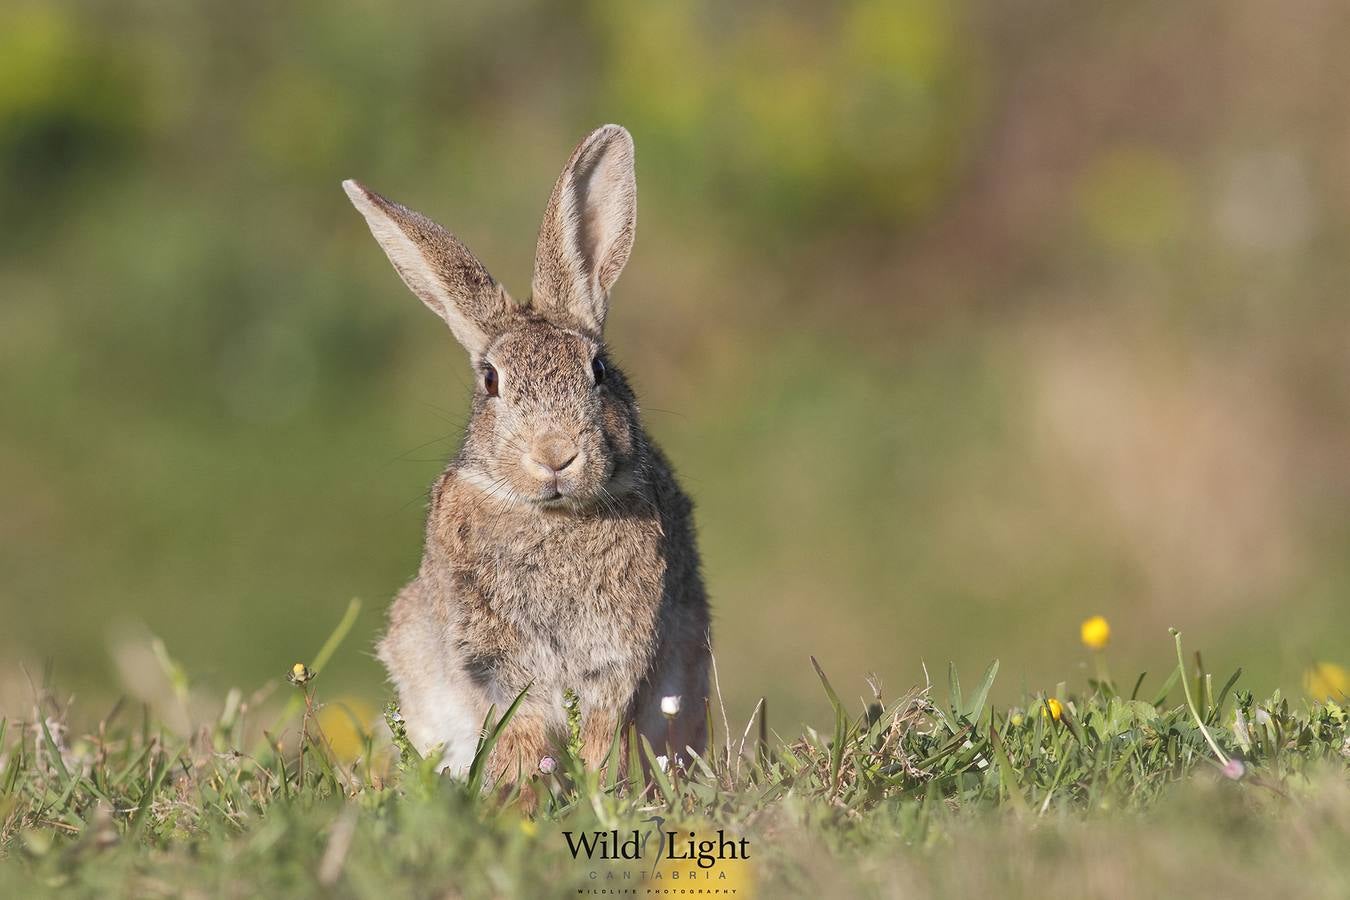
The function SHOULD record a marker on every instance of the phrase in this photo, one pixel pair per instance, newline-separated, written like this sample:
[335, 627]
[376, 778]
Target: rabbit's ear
[588, 228]
[436, 266]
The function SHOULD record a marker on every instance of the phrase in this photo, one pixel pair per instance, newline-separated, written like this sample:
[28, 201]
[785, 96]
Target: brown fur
[559, 549]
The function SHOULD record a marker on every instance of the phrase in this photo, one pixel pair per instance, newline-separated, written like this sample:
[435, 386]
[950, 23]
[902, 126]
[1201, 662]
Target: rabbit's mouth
[553, 498]
[563, 499]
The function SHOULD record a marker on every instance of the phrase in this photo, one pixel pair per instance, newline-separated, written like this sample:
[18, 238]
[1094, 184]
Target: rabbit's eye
[489, 380]
[598, 370]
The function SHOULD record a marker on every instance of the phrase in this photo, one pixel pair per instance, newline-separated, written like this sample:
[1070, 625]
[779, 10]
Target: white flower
[663, 763]
[670, 706]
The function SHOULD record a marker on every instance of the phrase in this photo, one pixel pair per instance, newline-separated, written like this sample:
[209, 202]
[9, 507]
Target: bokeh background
[962, 322]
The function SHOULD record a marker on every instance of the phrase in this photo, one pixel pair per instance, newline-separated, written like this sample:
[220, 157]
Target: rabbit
[560, 550]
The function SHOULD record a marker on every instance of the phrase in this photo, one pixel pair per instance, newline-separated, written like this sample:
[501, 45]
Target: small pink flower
[548, 765]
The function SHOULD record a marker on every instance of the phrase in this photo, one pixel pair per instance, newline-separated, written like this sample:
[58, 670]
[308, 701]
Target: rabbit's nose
[551, 455]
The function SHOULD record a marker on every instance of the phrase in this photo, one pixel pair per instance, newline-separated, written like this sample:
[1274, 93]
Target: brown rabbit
[559, 548]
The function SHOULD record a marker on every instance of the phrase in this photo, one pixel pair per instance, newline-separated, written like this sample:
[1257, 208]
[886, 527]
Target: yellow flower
[1015, 720]
[346, 722]
[1327, 681]
[1096, 631]
[299, 674]
[1056, 708]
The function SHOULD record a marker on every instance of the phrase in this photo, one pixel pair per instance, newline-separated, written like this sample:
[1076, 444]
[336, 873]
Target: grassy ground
[1183, 787]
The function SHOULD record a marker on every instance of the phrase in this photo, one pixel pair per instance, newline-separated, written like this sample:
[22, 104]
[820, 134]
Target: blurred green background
[962, 322]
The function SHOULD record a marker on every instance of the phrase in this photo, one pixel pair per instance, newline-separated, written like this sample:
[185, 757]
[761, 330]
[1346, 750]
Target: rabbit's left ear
[436, 267]
[588, 229]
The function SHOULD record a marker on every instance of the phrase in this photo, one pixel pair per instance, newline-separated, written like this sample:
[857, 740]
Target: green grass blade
[55, 754]
[337, 636]
[1067, 717]
[1008, 775]
[1138, 683]
[491, 734]
[954, 689]
[636, 782]
[837, 748]
[829, 688]
[1223, 693]
[977, 700]
[20, 764]
[152, 788]
[1171, 682]
[658, 774]
[614, 758]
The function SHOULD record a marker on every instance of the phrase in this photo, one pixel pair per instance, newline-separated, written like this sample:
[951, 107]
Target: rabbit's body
[559, 549]
[500, 603]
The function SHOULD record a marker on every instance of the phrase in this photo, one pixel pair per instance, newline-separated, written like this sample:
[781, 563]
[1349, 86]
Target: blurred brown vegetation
[962, 321]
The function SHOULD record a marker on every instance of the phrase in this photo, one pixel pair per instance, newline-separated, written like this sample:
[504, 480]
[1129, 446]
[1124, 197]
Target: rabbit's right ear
[588, 229]
[435, 266]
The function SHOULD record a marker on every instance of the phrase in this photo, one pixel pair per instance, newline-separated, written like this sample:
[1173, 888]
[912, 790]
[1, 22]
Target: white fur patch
[445, 720]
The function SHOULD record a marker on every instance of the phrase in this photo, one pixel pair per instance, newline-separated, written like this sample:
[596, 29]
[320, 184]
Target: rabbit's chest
[572, 608]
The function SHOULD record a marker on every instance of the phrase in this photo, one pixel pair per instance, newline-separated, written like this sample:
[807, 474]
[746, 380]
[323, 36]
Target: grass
[1183, 786]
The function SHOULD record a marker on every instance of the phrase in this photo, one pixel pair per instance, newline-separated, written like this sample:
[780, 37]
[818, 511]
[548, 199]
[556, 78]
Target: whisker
[437, 440]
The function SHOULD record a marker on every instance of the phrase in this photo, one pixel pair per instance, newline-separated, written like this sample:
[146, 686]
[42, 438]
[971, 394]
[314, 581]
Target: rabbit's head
[553, 423]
